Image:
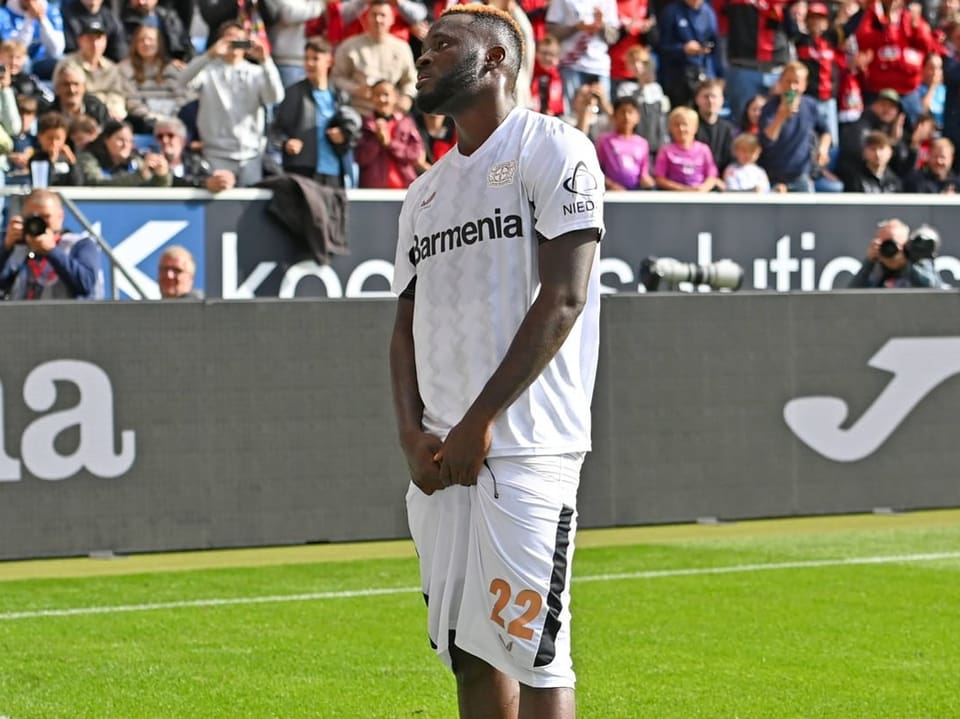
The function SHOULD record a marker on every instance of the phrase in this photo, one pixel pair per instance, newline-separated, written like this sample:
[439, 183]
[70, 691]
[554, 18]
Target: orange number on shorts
[502, 590]
[526, 598]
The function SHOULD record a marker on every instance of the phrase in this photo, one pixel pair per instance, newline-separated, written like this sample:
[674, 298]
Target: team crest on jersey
[502, 174]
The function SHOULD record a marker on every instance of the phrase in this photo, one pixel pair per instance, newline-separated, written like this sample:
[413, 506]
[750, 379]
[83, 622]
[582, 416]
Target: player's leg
[515, 614]
[482, 691]
[554, 703]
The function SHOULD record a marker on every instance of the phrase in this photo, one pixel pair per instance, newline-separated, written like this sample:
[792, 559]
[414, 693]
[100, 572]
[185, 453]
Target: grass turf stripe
[316, 596]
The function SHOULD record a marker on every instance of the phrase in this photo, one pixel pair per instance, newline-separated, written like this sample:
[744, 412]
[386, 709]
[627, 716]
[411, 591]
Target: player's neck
[477, 123]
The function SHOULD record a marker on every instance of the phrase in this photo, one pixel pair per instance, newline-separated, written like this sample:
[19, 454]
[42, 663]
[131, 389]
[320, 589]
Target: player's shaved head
[497, 28]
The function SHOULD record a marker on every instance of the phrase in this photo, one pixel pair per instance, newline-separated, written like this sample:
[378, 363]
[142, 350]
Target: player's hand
[463, 452]
[422, 452]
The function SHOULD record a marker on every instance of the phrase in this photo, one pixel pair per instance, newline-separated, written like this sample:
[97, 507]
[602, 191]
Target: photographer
[898, 258]
[40, 261]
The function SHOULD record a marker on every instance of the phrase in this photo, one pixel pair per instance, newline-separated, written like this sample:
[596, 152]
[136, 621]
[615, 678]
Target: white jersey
[581, 51]
[469, 233]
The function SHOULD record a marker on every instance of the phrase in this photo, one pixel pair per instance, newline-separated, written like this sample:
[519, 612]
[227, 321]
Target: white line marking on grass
[315, 596]
[800, 564]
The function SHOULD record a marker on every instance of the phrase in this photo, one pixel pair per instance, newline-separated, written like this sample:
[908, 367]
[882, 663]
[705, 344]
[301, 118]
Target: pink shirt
[624, 159]
[689, 167]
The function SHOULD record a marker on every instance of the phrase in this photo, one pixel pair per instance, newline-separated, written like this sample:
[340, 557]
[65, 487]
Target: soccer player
[493, 359]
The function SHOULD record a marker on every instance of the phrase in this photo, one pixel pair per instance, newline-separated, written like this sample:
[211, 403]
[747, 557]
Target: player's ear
[495, 57]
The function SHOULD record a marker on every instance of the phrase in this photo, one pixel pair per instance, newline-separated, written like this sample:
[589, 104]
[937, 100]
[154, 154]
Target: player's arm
[418, 447]
[565, 264]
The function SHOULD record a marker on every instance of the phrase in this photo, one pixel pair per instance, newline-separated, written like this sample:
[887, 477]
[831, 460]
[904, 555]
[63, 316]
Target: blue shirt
[328, 162]
[937, 103]
[11, 22]
[790, 156]
[679, 25]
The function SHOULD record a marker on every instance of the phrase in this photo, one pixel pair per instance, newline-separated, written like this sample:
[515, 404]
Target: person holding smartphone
[231, 92]
[787, 124]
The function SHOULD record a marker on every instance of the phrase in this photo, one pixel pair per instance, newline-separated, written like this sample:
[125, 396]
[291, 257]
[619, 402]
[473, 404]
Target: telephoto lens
[889, 248]
[34, 226]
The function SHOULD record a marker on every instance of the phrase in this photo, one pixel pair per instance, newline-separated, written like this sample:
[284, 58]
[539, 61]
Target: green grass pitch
[844, 617]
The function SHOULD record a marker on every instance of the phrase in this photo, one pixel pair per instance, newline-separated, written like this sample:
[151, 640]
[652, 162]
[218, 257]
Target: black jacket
[925, 182]
[311, 212]
[175, 36]
[196, 170]
[297, 118]
[74, 14]
[862, 180]
[92, 106]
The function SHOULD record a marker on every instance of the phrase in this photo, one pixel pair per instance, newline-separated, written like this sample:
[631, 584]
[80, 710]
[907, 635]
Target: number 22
[525, 598]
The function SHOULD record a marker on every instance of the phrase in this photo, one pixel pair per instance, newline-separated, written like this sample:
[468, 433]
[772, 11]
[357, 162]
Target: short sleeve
[563, 179]
[403, 268]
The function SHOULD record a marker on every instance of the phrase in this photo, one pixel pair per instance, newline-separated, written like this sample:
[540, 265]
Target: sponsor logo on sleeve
[581, 182]
[583, 185]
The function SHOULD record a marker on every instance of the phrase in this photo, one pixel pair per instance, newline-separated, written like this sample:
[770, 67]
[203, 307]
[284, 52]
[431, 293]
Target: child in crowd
[713, 131]
[390, 146]
[13, 56]
[874, 174]
[83, 130]
[52, 128]
[685, 164]
[653, 102]
[546, 89]
[750, 122]
[745, 175]
[24, 142]
[625, 156]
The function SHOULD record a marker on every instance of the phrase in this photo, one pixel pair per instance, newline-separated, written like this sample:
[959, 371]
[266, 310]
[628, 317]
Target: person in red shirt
[636, 23]
[390, 145]
[893, 41]
[546, 88]
[819, 48]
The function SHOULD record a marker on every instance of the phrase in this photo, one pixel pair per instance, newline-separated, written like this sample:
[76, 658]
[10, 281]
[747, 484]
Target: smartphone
[241, 44]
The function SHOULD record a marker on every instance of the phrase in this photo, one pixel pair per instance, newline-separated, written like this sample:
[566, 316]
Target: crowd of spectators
[858, 96]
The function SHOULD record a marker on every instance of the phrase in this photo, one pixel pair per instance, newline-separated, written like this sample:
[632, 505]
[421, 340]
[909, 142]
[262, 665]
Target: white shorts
[495, 564]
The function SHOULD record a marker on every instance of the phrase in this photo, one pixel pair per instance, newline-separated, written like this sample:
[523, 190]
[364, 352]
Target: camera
[34, 226]
[889, 248]
[922, 244]
[720, 275]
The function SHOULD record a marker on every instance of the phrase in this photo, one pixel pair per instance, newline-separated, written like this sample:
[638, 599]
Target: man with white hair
[176, 274]
[188, 168]
[892, 259]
